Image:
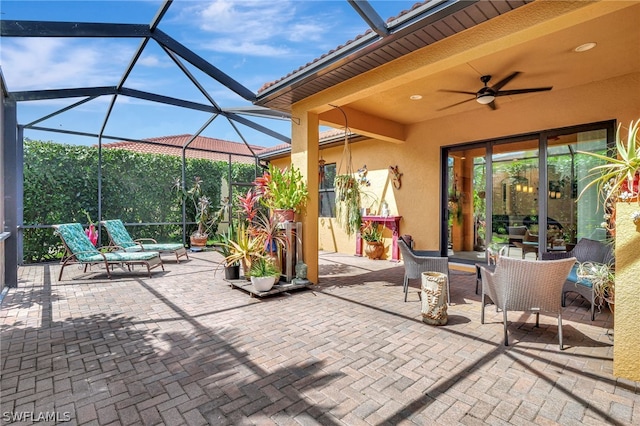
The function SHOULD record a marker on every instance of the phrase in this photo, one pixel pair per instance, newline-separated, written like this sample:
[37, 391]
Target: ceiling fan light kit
[485, 98]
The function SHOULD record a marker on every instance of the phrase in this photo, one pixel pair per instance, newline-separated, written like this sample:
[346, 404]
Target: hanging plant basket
[348, 211]
[347, 189]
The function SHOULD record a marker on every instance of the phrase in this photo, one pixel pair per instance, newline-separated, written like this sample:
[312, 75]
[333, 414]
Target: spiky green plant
[618, 173]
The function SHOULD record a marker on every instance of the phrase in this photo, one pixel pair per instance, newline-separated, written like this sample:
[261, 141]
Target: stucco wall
[627, 302]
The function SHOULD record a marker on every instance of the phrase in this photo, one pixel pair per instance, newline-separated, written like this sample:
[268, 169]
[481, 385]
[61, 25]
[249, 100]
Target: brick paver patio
[185, 348]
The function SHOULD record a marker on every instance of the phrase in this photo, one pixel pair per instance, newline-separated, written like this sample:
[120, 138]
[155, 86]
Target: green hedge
[61, 183]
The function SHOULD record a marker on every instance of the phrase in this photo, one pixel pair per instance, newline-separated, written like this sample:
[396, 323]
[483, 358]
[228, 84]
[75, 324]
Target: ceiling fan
[488, 94]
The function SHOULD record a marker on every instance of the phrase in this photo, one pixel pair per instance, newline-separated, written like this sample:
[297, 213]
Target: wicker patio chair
[493, 257]
[79, 250]
[586, 250]
[418, 261]
[119, 236]
[525, 285]
[516, 234]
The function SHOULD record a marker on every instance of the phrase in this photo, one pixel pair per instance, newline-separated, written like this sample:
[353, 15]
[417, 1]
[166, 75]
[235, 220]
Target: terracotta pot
[284, 215]
[199, 240]
[611, 304]
[374, 249]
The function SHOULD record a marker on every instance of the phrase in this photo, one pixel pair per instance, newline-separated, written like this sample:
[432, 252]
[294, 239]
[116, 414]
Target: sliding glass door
[497, 189]
[466, 203]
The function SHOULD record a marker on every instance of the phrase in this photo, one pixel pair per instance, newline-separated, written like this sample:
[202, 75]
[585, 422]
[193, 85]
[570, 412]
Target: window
[327, 192]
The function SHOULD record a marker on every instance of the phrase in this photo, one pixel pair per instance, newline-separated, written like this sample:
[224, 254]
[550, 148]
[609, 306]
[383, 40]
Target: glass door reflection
[516, 187]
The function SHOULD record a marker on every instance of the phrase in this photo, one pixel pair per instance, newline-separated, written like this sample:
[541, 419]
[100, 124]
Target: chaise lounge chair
[119, 236]
[79, 250]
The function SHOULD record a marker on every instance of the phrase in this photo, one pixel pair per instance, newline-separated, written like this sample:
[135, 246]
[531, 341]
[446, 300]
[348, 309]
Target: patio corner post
[304, 156]
[11, 205]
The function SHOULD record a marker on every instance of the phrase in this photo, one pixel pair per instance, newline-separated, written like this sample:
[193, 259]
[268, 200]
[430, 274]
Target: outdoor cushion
[77, 241]
[119, 236]
[115, 256]
[79, 249]
[573, 277]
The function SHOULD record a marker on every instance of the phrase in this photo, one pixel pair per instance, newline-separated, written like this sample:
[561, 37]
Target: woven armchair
[585, 251]
[418, 261]
[525, 285]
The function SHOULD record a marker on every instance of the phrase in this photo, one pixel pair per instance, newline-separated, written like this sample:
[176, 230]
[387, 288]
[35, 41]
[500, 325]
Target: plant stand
[278, 288]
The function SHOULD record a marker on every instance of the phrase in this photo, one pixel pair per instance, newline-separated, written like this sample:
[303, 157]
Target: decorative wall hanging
[396, 177]
[362, 176]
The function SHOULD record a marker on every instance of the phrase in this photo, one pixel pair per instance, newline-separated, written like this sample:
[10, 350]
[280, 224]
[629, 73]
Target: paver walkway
[185, 348]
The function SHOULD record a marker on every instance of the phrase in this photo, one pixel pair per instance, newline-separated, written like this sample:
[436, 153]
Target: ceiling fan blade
[457, 91]
[492, 105]
[456, 104]
[505, 80]
[521, 91]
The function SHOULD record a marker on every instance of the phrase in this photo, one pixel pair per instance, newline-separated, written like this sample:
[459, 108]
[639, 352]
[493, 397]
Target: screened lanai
[402, 86]
[197, 96]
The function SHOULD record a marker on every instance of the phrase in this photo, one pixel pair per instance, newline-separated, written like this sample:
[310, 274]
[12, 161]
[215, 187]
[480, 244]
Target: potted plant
[222, 242]
[206, 219]
[372, 235]
[264, 274]
[283, 191]
[244, 249]
[602, 278]
[272, 236]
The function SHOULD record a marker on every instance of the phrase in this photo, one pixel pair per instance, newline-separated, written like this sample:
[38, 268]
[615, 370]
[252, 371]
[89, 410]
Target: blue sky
[254, 42]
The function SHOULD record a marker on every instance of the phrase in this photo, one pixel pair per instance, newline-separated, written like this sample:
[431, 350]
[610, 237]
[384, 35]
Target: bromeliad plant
[370, 232]
[258, 235]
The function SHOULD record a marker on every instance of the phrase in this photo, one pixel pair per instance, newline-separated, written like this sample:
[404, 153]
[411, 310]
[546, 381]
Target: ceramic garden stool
[434, 298]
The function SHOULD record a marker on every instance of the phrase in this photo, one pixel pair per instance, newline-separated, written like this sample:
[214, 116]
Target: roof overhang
[424, 25]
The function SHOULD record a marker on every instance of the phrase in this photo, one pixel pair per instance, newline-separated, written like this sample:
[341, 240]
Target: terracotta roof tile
[202, 147]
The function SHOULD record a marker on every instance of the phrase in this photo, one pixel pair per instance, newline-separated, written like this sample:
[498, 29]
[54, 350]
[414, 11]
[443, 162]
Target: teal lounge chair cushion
[121, 237]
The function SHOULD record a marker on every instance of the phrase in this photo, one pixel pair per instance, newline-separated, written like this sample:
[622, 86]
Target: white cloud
[53, 63]
[247, 48]
[258, 28]
[155, 61]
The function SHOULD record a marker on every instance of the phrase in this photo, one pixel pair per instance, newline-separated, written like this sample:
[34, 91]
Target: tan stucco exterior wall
[627, 303]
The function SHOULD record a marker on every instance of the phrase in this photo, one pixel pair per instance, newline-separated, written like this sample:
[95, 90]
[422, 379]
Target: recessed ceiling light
[415, 97]
[584, 47]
